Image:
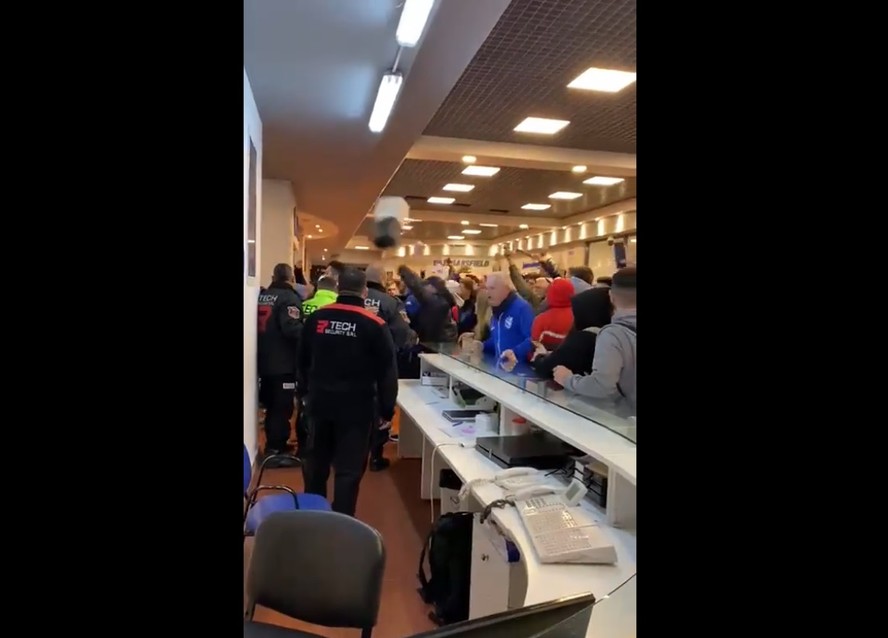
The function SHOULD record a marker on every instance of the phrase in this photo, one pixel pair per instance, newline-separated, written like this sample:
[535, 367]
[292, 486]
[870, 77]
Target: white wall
[252, 129]
[278, 203]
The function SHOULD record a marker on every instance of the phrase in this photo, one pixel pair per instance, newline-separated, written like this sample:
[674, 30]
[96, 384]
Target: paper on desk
[466, 430]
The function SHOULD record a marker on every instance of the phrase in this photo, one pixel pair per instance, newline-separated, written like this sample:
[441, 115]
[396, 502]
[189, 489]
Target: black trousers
[277, 393]
[340, 441]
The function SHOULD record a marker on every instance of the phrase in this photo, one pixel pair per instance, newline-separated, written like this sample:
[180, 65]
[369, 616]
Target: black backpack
[449, 548]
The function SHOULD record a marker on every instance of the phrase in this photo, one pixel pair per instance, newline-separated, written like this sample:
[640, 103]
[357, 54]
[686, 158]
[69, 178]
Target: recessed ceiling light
[536, 206]
[325, 250]
[565, 195]
[320, 230]
[564, 228]
[603, 181]
[579, 168]
[361, 248]
[523, 226]
[481, 171]
[406, 227]
[457, 237]
[440, 200]
[604, 80]
[464, 222]
[489, 225]
[471, 232]
[540, 125]
[469, 159]
[459, 188]
[308, 237]
[323, 257]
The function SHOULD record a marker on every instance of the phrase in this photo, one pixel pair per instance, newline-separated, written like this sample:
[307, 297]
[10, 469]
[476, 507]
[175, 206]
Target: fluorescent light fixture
[579, 168]
[471, 232]
[406, 227]
[385, 100]
[414, 16]
[455, 237]
[536, 206]
[481, 171]
[523, 226]
[361, 248]
[464, 222]
[603, 80]
[440, 200]
[565, 195]
[540, 125]
[251, 241]
[489, 225]
[469, 159]
[459, 188]
[603, 181]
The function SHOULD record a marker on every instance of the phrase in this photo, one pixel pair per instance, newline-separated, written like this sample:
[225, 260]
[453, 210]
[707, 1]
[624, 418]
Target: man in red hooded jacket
[551, 326]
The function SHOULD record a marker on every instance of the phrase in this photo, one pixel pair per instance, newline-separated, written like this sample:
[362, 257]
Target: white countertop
[587, 436]
[544, 582]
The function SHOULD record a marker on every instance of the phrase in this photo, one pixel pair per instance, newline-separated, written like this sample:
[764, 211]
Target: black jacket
[591, 309]
[433, 321]
[390, 310]
[279, 329]
[347, 360]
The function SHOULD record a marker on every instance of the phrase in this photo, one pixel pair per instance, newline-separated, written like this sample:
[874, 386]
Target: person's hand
[539, 350]
[508, 360]
[561, 374]
[465, 338]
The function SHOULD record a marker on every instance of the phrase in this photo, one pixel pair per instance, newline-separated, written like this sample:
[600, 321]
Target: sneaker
[282, 460]
[393, 438]
[378, 465]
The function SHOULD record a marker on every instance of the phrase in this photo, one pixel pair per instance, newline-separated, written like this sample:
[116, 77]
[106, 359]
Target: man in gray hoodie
[613, 365]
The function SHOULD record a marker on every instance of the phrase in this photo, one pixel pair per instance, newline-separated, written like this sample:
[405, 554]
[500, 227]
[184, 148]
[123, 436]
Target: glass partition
[615, 417]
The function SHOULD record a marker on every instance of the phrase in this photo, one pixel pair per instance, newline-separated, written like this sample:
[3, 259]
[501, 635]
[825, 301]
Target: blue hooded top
[510, 328]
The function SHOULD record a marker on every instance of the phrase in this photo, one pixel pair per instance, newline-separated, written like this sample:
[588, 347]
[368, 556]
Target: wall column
[278, 204]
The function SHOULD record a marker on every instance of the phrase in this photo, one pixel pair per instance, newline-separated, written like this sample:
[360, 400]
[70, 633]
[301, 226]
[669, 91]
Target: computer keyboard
[560, 537]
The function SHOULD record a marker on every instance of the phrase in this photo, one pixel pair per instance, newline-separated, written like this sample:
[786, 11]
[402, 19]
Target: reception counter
[499, 581]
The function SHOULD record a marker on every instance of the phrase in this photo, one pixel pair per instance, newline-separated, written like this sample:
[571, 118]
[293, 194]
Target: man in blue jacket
[510, 326]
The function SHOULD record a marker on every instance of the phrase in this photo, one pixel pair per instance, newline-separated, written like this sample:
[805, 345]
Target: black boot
[378, 465]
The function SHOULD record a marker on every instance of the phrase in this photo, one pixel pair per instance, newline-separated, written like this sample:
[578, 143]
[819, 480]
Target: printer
[538, 449]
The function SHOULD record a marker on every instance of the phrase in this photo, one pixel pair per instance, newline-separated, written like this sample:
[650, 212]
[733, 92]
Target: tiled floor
[389, 501]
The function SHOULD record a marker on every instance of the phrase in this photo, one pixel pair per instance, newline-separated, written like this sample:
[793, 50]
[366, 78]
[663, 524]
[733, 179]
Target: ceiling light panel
[441, 200]
[469, 159]
[469, 231]
[603, 181]
[540, 126]
[455, 237]
[459, 188]
[565, 195]
[385, 101]
[536, 206]
[489, 225]
[523, 226]
[603, 80]
[414, 17]
[481, 171]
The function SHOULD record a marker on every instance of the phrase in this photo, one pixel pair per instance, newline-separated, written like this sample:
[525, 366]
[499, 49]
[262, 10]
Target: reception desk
[499, 580]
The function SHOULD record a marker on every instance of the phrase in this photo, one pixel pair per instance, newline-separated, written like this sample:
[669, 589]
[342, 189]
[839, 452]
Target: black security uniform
[279, 332]
[348, 377]
[391, 310]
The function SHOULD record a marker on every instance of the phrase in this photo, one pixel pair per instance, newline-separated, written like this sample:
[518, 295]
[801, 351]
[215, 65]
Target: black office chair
[323, 568]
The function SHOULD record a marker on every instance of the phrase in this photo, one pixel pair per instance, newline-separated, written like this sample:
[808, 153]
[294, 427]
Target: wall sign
[475, 263]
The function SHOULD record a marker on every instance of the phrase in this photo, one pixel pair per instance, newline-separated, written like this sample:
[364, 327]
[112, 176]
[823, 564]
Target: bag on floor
[449, 550]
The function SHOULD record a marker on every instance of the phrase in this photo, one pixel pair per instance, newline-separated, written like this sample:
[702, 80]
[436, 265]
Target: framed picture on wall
[252, 206]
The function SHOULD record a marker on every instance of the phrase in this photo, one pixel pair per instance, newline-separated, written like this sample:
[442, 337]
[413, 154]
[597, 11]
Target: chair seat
[263, 630]
[282, 503]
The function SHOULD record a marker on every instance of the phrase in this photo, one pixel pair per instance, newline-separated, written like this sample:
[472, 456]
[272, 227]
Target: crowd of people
[333, 351]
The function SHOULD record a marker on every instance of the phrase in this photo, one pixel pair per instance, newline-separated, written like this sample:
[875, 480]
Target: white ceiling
[315, 65]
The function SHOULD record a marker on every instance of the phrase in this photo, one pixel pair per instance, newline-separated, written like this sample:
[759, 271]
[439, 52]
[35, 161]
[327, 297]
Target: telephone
[510, 480]
[570, 495]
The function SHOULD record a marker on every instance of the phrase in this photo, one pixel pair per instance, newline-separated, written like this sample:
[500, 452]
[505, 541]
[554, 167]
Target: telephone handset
[512, 479]
[572, 494]
[535, 490]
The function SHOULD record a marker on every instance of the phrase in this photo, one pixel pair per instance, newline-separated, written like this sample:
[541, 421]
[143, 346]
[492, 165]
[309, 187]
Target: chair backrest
[248, 469]
[324, 568]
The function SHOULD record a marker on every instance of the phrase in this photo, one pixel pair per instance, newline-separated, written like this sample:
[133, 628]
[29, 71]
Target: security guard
[392, 311]
[349, 381]
[324, 295]
[279, 331]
